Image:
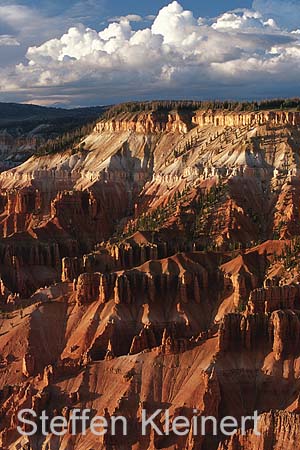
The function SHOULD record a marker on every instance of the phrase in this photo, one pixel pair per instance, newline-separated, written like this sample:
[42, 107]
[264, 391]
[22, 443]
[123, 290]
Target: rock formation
[156, 267]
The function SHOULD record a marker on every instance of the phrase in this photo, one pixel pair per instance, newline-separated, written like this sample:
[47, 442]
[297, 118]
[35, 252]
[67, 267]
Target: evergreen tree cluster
[154, 220]
[65, 141]
[193, 105]
[188, 144]
[290, 254]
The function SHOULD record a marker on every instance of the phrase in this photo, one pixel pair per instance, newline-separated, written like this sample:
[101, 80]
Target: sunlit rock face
[156, 265]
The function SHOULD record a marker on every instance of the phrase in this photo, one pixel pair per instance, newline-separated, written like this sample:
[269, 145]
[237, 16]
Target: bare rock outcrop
[278, 331]
[155, 266]
[28, 365]
[87, 288]
[265, 300]
[285, 327]
[278, 429]
[151, 122]
[71, 268]
[223, 118]
[144, 341]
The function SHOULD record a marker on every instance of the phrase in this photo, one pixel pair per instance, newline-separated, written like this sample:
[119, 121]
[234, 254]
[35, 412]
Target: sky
[91, 52]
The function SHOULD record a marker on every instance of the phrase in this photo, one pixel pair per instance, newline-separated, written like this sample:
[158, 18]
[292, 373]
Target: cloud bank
[240, 54]
[8, 41]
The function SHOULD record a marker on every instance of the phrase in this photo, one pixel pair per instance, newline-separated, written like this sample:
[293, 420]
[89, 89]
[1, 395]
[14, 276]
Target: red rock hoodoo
[155, 267]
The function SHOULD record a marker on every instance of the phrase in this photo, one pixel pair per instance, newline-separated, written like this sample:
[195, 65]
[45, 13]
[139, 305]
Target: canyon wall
[154, 122]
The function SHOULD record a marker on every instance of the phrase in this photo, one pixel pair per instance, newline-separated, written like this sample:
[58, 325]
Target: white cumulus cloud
[246, 20]
[285, 12]
[242, 53]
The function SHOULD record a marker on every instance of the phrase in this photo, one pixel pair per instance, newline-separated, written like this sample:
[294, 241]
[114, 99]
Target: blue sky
[85, 52]
[111, 8]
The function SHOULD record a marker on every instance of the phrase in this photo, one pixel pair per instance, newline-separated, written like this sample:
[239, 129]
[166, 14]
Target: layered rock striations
[155, 266]
[276, 428]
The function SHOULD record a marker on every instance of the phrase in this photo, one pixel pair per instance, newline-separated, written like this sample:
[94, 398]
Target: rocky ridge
[164, 253]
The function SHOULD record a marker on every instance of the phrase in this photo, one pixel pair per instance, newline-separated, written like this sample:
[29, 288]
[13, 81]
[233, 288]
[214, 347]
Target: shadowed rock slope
[155, 266]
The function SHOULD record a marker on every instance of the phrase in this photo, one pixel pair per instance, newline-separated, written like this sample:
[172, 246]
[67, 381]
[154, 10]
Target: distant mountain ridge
[25, 129]
[14, 115]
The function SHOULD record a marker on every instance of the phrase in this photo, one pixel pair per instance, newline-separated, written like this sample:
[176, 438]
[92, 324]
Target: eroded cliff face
[244, 175]
[155, 122]
[221, 118]
[277, 430]
[144, 123]
[163, 333]
[157, 267]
